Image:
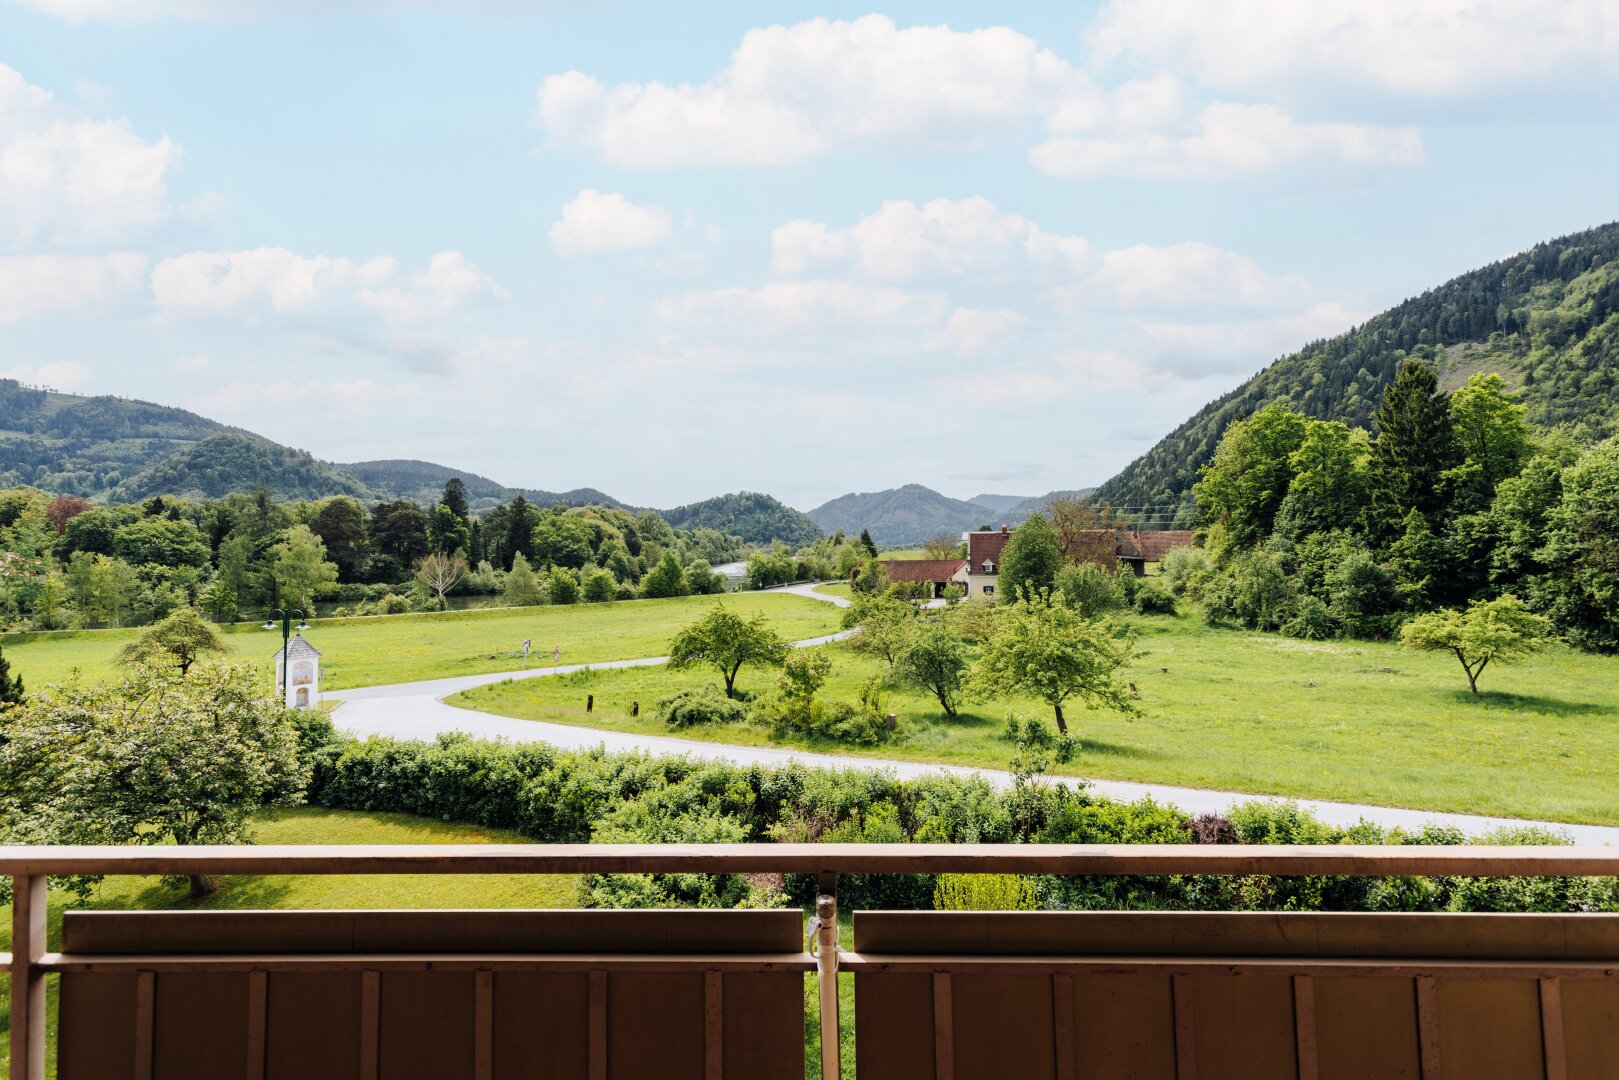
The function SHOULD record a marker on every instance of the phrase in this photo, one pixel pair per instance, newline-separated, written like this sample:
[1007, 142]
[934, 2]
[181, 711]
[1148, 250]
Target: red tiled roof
[985, 546]
[1154, 545]
[925, 570]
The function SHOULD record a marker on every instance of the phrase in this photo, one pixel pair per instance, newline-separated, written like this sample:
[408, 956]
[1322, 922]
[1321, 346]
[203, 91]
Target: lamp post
[286, 618]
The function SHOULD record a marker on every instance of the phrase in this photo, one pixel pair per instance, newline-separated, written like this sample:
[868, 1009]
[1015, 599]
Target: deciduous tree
[725, 641]
[181, 639]
[934, 659]
[300, 567]
[439, 573]
[1491, 631]
[1050, 651]
[1030, 560]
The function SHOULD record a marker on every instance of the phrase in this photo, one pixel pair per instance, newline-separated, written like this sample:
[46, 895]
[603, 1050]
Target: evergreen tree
[1415, 445]
[870, 545]
[455, 497]
[11, 691]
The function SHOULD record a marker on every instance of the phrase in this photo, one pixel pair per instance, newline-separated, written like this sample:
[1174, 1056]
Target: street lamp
[286, 618]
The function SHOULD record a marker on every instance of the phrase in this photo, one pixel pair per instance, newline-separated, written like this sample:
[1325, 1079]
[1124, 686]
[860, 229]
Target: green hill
[1000, 504]
[87, 446]
[1546, 320]
[1027, 508]
[756, 518]
[221, 464]
[900, 516]
[423, 482]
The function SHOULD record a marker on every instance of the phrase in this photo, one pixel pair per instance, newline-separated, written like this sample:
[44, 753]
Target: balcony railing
[719, 994]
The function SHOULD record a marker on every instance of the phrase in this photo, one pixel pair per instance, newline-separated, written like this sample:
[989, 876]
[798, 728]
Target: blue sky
[674, 250]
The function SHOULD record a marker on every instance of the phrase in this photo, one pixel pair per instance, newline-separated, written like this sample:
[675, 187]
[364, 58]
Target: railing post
[826, 963]
[27, 978]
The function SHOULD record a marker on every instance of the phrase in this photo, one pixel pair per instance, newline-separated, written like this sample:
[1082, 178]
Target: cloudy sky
[670, 250]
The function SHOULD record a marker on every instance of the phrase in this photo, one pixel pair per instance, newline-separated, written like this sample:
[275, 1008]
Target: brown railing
[1057, 953]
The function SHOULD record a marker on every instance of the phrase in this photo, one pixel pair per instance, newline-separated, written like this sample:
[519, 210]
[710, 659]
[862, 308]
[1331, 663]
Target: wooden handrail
[822, 859]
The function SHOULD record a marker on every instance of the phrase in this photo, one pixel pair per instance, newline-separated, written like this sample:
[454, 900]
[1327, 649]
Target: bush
[599, 586]
[1311, 621]
[985, 892]
[555, 796]
[1153, 598]
[393, 604]
[1185, 570]
[1090, 589]
[1253, 592]
[702, 706]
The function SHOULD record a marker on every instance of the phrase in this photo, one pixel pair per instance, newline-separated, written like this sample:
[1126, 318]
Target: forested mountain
[1027, 508]
[221, 464]
[756, 518]
[900, 516]
[87, 446]
[1546, 320]
[422, 482]
[1000, 504]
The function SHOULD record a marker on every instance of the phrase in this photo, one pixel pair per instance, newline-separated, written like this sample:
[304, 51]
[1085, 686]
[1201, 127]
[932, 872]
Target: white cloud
[806, 310]
[1181, 276]
[32, 285]
[66, 375]
[1250, 343]
[275, 280]
[228, 282]
[70, 180]
[1227, 140]
[902, 241]
[1424, 48]
[969, 329]
[450, 281]
[791, 93]
[191, 365]
[606, 223]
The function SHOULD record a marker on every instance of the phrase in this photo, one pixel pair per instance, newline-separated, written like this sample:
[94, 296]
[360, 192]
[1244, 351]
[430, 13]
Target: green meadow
[1232, 710]
[404, 648]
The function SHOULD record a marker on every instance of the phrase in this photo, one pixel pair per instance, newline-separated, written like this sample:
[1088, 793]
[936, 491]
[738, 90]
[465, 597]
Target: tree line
[66, 563]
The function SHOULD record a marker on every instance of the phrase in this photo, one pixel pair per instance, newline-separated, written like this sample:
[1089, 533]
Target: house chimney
[1005, 529]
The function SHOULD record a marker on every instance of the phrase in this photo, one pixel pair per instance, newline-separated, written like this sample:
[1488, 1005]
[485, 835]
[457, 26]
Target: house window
[989, 567]
[989, 590]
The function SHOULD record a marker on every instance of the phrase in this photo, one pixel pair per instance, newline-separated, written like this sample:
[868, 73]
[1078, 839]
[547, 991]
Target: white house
[303, 687]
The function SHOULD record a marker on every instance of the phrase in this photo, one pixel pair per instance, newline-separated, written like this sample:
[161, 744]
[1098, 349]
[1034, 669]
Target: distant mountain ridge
[1546, 320]
[912, 514]
[755, 517]
[116, 449]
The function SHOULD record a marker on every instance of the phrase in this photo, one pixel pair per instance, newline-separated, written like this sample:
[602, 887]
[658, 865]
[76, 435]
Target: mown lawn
[835, 588]
[315, 826]
[1232, 710]
[402, 648]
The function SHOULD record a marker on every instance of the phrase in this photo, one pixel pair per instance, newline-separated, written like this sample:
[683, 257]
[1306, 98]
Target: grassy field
[835, 588]
[315, 826]
[400, 648]
[1233, 710]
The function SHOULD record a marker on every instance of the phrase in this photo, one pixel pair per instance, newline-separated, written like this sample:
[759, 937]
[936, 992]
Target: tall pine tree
[1415, 445]
[11, 692]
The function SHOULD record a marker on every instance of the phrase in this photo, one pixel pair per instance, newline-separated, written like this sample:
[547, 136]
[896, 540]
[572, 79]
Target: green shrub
[1153, 598]
[985, 892]
[1090, 589]
[701, 706]
[1311, 621]
[1185, 570]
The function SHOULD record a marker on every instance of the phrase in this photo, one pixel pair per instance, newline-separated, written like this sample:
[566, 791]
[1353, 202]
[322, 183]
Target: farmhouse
[937, 574]
[1130, 548]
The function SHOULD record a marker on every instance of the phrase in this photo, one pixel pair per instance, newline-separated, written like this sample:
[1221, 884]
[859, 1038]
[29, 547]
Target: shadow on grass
[1502, 701]
[1118, 750]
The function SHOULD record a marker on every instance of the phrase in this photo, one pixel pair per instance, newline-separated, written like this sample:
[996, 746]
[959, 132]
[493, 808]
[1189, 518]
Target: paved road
[417, 711]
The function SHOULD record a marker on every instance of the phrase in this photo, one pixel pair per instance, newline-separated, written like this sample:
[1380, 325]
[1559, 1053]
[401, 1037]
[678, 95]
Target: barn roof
[926, 570]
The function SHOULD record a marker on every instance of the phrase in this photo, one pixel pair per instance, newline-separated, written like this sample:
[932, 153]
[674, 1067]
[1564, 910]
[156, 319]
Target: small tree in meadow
[725, 641]
[562, 586]
[1045, 649]
[1493, 631]
[883, 624]
[181, 639]
[598, 585]
[934, 658]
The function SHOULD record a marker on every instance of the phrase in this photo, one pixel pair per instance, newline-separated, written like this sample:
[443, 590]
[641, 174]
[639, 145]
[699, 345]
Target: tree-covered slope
[75, 445]
[756, 518]
[900, 516]
[1026, 509]
[222, 464]
[423, 482]
[1546, 320]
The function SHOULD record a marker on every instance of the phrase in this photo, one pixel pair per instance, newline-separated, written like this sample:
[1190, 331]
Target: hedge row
[557, 796]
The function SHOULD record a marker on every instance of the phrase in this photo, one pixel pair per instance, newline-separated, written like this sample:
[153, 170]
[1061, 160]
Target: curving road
[417, 710]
